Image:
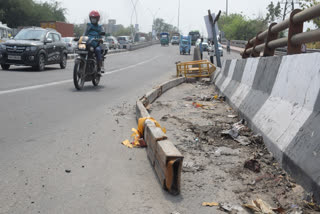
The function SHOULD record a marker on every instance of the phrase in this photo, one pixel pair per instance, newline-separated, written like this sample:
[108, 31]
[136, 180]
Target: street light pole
[179, 18]
[133, 33]
[154, 17]
[227, 5]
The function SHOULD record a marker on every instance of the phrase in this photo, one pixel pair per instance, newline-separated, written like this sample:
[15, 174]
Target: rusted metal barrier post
[244, 54]
[256, 53]
[294, 28]
[270, 37]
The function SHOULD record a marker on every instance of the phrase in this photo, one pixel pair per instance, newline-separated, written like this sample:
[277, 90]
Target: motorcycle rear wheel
[78, 76]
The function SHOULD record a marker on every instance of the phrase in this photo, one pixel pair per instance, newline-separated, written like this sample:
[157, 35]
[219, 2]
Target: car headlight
[31, 48]
[3, 47]
[82, 46]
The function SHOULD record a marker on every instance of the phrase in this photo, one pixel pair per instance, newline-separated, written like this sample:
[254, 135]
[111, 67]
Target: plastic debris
[311, 205]
[230, 208]
[197, 105]
[253, 165]
[137, 134]
[237, 132]
[210, 204]
[226, 151]
[127, 144]
[259, 206]
[232, 116]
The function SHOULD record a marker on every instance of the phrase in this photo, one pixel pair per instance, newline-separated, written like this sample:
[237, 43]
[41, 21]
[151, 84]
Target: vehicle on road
[220, 49]
[205, 44]
[71, 44]
[113, 42]
[5, 32]
[65, 29]
[211, 50]
[86, 65]
[36, 47]
[142, 39]
[185, 45]
[124, 41]
[175, 40]
[164, 39]
[195, 35]
[105, 45]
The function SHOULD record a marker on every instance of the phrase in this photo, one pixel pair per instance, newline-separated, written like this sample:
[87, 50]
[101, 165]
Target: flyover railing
[268, 41]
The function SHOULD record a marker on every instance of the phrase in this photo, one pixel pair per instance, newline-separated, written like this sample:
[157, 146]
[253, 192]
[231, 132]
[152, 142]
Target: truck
[65, 29]
[195, 35]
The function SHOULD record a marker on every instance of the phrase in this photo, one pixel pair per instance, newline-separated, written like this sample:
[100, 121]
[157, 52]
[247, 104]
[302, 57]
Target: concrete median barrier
[164, 157]
[279, 97]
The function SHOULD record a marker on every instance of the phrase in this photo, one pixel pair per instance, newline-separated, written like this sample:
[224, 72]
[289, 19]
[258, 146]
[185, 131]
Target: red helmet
[94, 14]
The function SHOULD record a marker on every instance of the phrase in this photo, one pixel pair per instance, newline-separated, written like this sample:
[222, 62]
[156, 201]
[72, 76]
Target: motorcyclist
[93, 32]
[228, 46]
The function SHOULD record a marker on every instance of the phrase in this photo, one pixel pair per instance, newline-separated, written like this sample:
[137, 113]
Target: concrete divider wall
[279, 97]
[163, 155]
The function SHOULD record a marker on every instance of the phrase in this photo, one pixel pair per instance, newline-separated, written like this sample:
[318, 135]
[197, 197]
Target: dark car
[36, 47]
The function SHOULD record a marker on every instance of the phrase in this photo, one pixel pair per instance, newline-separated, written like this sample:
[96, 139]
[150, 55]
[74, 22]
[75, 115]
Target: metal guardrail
[268, 41]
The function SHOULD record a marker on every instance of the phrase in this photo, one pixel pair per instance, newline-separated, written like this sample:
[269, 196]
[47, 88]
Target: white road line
[68, 81]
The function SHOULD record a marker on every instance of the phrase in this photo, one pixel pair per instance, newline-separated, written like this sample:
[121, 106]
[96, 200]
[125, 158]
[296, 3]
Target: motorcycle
[86, 65]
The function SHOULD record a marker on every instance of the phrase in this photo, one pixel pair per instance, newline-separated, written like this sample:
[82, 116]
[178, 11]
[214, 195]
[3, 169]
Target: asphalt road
[48, 128]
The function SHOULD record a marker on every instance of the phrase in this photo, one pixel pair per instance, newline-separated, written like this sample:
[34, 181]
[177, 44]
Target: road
[48, 128]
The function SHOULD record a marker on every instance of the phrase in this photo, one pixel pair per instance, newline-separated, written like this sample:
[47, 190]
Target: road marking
[68, 81]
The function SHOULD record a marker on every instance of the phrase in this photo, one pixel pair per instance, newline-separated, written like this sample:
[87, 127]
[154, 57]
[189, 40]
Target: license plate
[11, 57]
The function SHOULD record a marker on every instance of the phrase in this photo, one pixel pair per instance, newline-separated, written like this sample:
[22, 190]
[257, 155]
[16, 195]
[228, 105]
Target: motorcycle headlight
[82, 46]
[91, 49]
[83, 39]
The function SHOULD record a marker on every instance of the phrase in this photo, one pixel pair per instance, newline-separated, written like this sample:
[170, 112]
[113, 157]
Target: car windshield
[122, 38]
[67, 39]
[28, 34]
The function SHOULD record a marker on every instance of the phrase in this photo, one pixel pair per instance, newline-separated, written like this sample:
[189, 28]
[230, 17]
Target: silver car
[71, 44]
[113, 42]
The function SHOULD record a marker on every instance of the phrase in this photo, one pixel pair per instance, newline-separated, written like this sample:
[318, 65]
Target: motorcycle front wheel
[96, 80]
[78, 76]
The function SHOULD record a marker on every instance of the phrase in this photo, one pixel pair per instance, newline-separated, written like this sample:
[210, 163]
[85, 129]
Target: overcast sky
[191, 11]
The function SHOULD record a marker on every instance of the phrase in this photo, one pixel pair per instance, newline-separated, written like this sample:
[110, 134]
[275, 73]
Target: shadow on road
[30, 69]
[89, 88]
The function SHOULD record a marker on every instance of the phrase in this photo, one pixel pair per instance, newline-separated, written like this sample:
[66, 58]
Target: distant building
[112, 26]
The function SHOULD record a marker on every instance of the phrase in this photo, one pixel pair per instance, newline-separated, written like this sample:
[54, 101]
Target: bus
[5, 32]
[195, 35]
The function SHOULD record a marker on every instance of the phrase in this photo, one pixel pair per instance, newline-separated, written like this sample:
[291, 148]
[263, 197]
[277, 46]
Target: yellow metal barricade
[201, 68]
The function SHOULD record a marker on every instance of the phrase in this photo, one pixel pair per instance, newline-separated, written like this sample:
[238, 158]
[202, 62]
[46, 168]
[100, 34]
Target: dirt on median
[224, 161]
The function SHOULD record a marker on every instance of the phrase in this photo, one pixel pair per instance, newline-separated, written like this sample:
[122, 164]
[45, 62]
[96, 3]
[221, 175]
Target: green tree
[310, 3]
[160, 25]
[124, 31]
[29, 13]
[238, 27]
[274, 12]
